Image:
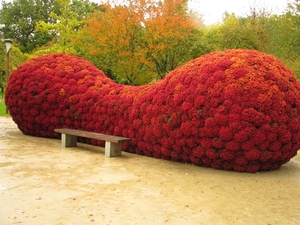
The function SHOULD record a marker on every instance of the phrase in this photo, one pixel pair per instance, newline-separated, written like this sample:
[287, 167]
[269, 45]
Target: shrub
[233, 110]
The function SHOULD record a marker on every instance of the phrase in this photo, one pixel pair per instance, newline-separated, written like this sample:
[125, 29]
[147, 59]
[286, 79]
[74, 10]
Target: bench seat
[113, 144]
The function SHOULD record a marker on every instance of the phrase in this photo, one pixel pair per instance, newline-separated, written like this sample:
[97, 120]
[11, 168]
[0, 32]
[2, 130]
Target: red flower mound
[234, 110]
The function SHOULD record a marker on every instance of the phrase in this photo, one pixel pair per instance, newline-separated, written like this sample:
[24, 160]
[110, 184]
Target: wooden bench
[112, 143]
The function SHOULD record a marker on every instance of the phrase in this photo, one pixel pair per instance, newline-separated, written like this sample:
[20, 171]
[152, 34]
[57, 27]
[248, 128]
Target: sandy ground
[41, 183]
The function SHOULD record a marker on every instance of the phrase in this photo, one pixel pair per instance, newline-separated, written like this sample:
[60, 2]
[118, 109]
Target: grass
[3, 109]
[2, 104]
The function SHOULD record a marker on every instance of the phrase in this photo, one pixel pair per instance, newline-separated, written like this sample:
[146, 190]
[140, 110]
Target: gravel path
[40, 183]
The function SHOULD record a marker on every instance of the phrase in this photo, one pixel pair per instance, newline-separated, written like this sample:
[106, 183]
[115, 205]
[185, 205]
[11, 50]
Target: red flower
[243, 135]
[241, 161]
[239, 72]
[187, 128]
[236, 110]
[275, 145]
[82, 88]
[46, 106]
[226, 134]
[252, 155]
[54, 121]
[199, 101]
[227, 155]
[272, 136]
[253, 168]
[258, 138]
[210, 153]
[265, 166]
[221, 120]
[211, 128]
[265, 156]
[239, 168]
[165, 151]
[167, 142]
[33, 112]
[52, 98]
[253, 116]
[217, 143]
[137, 123]
[285, 136]
[186, 106]
[198, 152]
[206, 143]
[232, 146]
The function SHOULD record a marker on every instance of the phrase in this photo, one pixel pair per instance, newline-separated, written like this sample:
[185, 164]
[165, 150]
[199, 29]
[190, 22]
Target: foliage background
[140, 41]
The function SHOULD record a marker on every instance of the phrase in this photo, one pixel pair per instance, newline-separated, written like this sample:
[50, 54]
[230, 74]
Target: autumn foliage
[233, 110]
[139, 41]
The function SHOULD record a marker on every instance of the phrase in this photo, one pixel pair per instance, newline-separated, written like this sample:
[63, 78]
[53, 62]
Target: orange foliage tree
[139, 41]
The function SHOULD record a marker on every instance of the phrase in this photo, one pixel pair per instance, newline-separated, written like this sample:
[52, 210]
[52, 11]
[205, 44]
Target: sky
[213, 10]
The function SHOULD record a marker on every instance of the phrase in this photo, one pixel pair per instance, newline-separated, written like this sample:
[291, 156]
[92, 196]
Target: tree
[285, 36]
[2, 67]
[248, 32]
[68, 20]
[111, 40]
[293, 15]
[19, 17]
[282, 36]
[170, 35]
[19, 20]
[139, 41]
[16, 59]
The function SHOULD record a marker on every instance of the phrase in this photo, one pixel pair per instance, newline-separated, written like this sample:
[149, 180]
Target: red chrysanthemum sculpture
[233, 110]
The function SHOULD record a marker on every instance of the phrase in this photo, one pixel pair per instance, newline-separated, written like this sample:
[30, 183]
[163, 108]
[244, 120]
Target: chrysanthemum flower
[234, 110]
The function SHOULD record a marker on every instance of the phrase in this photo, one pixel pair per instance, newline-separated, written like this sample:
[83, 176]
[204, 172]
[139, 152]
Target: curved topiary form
[234, 110]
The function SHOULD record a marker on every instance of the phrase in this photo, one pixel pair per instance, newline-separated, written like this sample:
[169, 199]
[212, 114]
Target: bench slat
[92, 135]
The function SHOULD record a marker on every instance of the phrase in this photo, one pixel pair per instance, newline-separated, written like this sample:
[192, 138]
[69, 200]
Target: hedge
[233, 110]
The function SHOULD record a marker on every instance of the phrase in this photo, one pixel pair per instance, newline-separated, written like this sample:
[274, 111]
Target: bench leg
[112, 149]
[68, 140]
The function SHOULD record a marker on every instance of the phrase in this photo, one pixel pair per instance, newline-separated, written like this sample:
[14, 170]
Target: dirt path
[40, 183]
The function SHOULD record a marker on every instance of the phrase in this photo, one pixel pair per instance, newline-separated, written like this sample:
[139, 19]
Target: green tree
[248, 32]
[284, 32]
[16, 58]
[282, 36]
[293, 19]
[18, 20]
[2, 67]
[69, 19]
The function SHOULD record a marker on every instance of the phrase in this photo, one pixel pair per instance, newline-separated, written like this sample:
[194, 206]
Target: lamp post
[8, 44]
